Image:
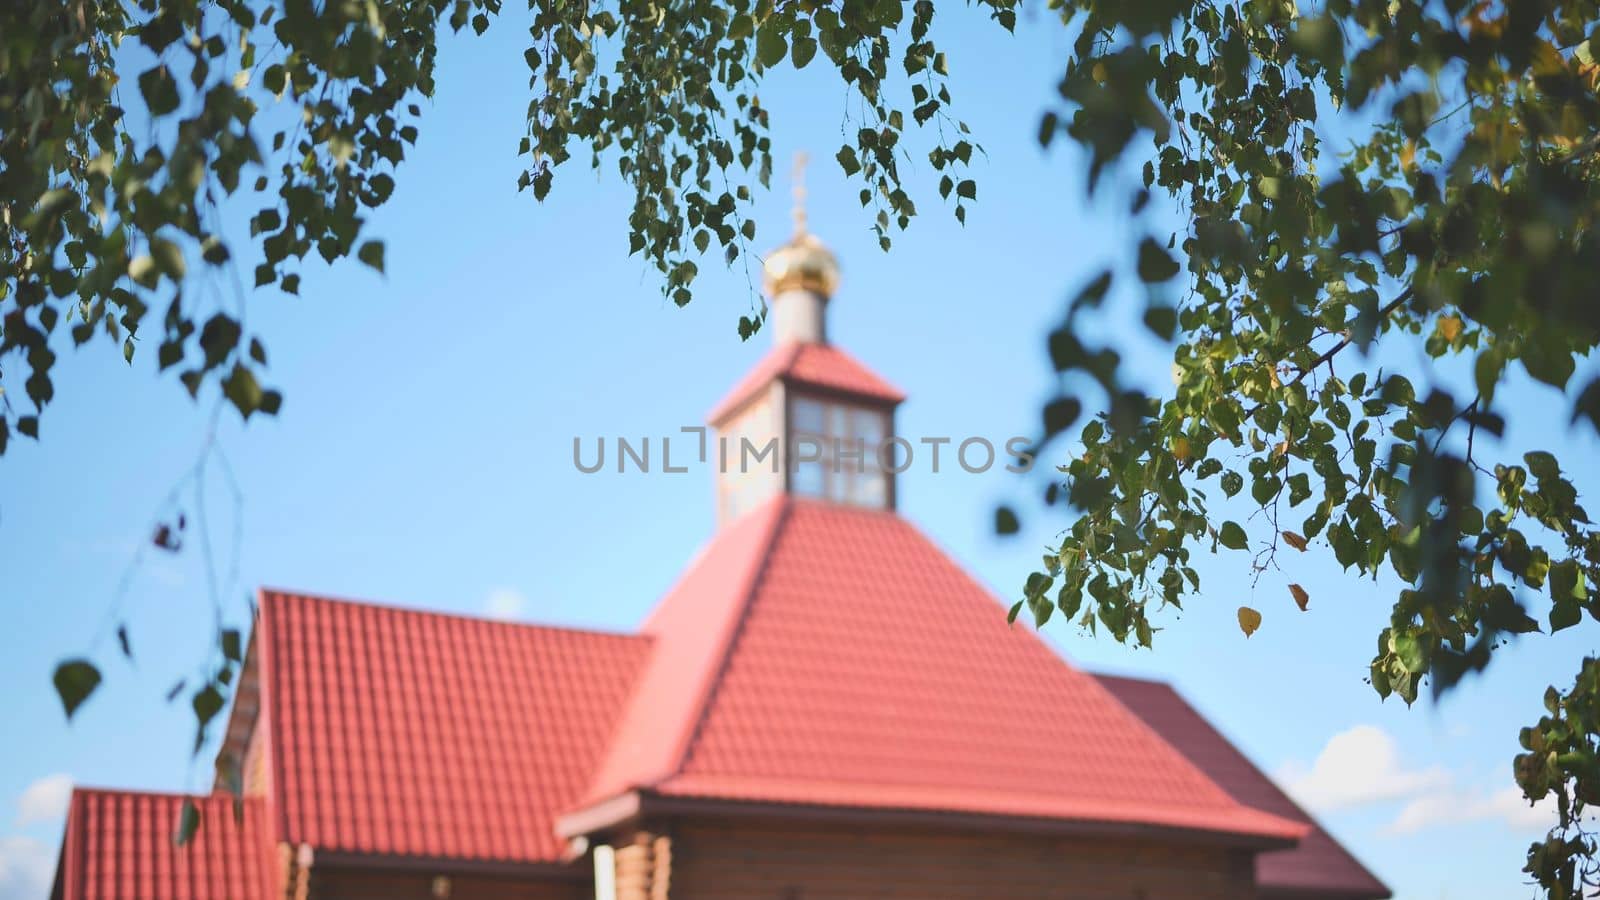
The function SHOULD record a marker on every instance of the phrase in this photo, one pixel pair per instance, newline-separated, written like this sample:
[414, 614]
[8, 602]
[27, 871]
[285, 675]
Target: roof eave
[631, 806]
[1299, 892]
[883, 400]
[600, 815]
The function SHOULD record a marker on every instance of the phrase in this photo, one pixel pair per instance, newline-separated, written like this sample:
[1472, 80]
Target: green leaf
[1588, 404]
[1264, 489]
[1048, 126]
[218, 338]
[1299, 489]
[1005, 521]
[75, 680]
[847, 160]
[1411, 652]
[371, 253]
[1059, 414]
[1567, 585]
[1564, 615]
[1542, 464]
[1162, 321]
[188, 823]
[232, 645]
[771, 46]
[803, 51]
[208, 701]
[160, 90]
[213, 251]
[1548, 358]
[1155, 264]
[1232, 536]
[242, 390]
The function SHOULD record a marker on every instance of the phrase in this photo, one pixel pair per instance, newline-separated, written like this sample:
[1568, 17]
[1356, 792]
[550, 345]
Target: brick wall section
[738, 862]
[781, 862]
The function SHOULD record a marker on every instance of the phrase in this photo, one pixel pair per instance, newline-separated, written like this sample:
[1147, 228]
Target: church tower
[809, 419]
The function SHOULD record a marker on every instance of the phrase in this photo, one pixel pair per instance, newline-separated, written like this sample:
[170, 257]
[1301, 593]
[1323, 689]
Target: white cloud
[26, 868]
[45, 800]
[505, 603]
[1363, 767]
[1458, 805]
[1358, 767]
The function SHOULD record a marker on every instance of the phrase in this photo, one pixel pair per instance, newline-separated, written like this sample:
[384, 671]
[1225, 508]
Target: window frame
[866, 483]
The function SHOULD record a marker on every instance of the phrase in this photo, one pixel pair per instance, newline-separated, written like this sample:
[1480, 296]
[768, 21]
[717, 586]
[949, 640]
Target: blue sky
[423, 457]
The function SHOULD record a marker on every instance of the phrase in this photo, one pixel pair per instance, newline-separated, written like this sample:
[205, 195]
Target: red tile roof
[814, 365]
[1319, 865]
[414, 733]
[120, 845]
[823, 654]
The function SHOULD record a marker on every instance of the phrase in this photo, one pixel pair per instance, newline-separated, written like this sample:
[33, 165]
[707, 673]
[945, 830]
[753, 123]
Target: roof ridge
[265, 592]
[823, 367]
[105, 791]
[263, 641]
[741, 617]
[655, 730]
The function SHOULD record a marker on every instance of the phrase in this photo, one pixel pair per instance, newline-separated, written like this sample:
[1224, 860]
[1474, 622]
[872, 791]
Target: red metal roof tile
[840, 658]
[815, 365]
[120, 845]
[1319, 866]
[405, 732]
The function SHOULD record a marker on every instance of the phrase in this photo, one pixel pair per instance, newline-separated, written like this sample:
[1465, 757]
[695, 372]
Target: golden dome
[803, 262]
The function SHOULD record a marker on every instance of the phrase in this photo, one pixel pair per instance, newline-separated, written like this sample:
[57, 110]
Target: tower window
[833, 452]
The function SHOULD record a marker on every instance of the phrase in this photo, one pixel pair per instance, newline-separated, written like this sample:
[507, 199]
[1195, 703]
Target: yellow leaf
[1449, 327]
[1301, 598]
[1180, 448]
[1249, 620]
[1294, 540]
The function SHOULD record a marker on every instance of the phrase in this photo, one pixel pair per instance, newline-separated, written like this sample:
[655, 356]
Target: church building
[825, 707]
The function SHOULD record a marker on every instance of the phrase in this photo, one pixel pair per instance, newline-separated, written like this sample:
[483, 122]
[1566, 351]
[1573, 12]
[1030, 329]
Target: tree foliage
[1459, 221]
[1358, 174]
[128, 128]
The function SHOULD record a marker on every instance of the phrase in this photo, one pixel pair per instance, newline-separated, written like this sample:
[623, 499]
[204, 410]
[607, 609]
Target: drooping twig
[1333, 351]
